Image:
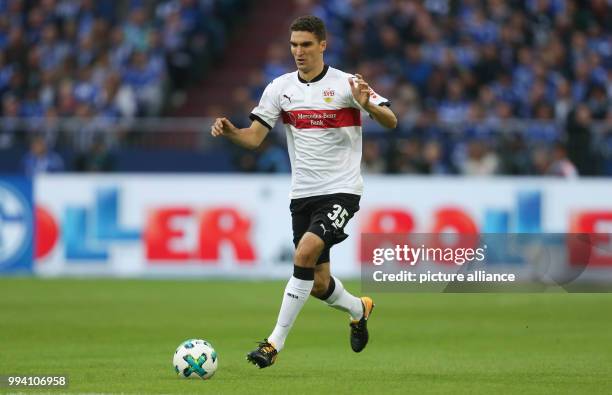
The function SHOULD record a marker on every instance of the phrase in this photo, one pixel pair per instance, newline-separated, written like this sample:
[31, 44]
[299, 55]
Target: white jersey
[323, 125]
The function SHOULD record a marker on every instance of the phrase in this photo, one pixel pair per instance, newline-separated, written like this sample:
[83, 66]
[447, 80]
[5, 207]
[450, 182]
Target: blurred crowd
[481, 87]
[464, 76]
[101, 62]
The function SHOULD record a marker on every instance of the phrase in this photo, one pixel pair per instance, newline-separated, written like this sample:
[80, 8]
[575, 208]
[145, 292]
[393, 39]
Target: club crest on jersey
[328, 95]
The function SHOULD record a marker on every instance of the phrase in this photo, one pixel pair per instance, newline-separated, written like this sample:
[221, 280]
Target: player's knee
[308, 251]
[305, 257]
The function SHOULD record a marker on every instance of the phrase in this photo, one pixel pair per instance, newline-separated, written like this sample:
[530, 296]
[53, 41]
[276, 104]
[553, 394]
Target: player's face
[307, 51]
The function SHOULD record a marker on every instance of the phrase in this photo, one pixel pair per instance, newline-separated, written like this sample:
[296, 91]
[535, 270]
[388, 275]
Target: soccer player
[320, 108]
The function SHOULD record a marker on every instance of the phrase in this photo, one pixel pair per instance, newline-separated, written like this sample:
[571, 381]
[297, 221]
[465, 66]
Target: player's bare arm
[381, 114]
[250, 137]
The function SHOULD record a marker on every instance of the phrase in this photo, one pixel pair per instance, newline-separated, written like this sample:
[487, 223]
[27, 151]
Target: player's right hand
[222, 126]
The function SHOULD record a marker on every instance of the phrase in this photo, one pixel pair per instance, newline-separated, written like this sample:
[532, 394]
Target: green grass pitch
[117, 336]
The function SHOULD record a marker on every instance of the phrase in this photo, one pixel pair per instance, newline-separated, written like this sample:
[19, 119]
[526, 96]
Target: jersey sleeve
[268, 110]
[375, 98]
[378, 99]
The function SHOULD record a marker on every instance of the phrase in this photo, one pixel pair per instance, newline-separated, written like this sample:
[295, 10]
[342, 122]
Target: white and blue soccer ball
[195, 359]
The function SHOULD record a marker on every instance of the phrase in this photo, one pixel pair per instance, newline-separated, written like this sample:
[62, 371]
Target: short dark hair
[309, 23]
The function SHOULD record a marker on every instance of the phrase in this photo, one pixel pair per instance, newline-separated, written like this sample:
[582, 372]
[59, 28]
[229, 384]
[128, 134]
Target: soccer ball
[195, 359]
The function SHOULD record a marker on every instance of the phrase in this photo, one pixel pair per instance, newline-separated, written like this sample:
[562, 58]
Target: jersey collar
[315, 79]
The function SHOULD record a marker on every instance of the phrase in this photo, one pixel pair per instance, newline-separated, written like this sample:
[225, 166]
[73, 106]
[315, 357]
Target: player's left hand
[361, 90]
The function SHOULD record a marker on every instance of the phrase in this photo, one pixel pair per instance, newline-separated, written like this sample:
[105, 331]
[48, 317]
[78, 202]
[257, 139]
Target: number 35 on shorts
[338, 216]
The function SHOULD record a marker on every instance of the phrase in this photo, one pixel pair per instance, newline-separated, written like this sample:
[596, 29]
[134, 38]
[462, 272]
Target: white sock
[341, 299]
[296, 294]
